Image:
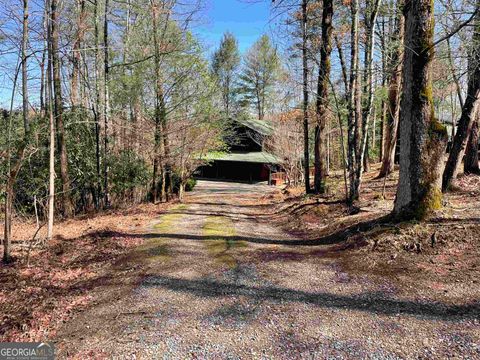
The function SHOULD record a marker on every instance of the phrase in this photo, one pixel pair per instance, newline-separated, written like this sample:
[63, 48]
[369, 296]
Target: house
[247, 159]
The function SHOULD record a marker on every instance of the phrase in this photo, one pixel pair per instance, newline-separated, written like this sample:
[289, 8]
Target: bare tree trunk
[342, 64]
[126, 70]
[383, 130]
[43, 77]
[423, 138]
[366, 156]
[160, 116]
[353, 101]
[58, 111]
[14, 167]
[77, 55]
[51, 172]
[9, 198]
[106, 108]
[373, 140]
[454, 74]
[471, 154]
[98, 102]
[322, 99]
[8, 208]
[306, 149]
[468, 110]
[25, 67]
[394, 94]
[366, 112]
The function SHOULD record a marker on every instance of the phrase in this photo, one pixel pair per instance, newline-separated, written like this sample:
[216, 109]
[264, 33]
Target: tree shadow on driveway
[373, 302]
[329, 239]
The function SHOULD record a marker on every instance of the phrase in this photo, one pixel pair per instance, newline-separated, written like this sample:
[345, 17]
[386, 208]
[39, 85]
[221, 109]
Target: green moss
[220, 243]
[438, 129]
[156, 249]
[166, 221]
[431, 202]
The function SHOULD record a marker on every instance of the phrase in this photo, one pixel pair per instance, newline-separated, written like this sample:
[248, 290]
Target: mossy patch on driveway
[221, 241]
[157, 249]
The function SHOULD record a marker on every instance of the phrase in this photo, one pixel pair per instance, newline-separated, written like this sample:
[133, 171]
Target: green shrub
[127, 171]
[191, 183]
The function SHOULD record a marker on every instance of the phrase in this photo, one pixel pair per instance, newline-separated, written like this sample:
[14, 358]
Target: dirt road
[217, 279]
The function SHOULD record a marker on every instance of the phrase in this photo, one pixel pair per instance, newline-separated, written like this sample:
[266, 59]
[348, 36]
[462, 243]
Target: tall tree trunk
[353, 101]
[373, 140]
[322, 99]
[98, 102]
[468, 109]
[306, 146]
[126, 72]
[106, 108]
[471, 154]
[423, 138]
[9, 199]
[25, 67]
[14, 164]
[160, 116]
[77, 55]
[383, 116]
[343, 64]
[43, 77]
[394, 94]
[366, 112]
[58, 111]
[454, 74]
[51, 161]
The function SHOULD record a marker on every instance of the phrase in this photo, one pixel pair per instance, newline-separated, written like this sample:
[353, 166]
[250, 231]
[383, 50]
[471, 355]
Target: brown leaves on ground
[36, 298]
[365, 241]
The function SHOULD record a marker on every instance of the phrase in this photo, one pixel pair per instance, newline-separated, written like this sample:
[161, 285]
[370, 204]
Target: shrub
[191, 183]
[127, 172]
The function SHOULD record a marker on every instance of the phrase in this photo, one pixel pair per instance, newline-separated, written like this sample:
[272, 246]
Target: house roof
[260, 126]
[260, 157]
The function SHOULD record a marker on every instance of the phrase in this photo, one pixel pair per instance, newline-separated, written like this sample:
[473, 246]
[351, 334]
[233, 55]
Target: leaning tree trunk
[394, 94]
[468, 110]
[423, 137]
[58, 111]
[471, 154]
[321, 153]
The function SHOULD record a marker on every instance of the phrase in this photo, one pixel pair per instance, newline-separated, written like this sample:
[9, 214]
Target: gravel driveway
[216, 279]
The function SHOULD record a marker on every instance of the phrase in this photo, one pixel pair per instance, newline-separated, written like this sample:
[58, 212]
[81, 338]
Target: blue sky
[247, 21]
